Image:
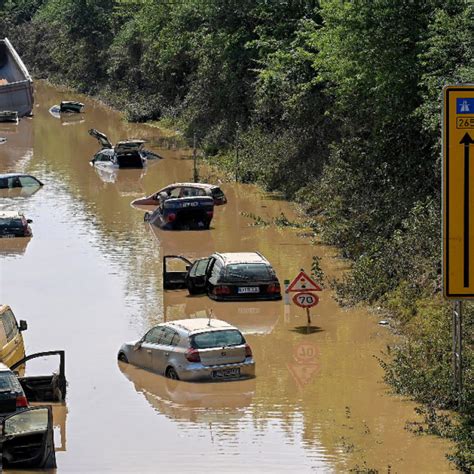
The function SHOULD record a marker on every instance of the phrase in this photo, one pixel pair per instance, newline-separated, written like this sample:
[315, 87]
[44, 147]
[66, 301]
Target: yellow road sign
[458, 191]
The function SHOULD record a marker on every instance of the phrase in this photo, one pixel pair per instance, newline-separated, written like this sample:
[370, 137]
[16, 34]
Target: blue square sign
[465, 105]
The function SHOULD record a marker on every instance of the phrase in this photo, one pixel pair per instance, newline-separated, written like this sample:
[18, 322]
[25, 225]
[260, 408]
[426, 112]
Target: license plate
[226, 373]
[248, 289]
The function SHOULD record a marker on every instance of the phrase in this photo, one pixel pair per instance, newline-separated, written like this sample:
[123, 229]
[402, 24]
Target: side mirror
[188, 267]
[23, 325]
[137, 345]
[29, 221]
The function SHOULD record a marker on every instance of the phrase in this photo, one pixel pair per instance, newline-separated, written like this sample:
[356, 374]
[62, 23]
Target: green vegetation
[337, 100]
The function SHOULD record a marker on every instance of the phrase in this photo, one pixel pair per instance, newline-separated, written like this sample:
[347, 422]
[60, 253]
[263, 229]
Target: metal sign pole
[457, 350]
[196, 177]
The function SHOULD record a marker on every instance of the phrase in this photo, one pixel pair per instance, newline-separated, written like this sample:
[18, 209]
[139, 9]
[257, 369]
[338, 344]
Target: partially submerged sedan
[189, 213]
[228, 276]
[180, 190]
[14, 224]
[192, 350]
[125, 154]
[18, 180]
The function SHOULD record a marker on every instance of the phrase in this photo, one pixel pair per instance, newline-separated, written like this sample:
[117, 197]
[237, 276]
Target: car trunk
[222, 355]
[129, 160]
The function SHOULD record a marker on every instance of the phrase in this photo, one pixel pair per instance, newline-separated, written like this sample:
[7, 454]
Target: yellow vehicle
[12, 348]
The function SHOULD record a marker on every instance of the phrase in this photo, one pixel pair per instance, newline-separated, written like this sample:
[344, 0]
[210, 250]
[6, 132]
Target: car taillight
[221, 290]
[21, 401]
[192, 355]
[274, 288]
[248, 351]
[171, 217]
[210, 213]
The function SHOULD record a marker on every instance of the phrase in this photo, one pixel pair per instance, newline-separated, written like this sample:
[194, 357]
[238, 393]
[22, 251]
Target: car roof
[193, 185]
[11, 175]
[11, 214]
[196, 325]
[242, 257]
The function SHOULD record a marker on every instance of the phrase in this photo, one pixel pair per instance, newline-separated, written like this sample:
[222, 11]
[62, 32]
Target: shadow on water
[307, 329]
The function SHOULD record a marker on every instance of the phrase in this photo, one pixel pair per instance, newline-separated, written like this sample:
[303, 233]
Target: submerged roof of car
[201, 324]
[11, 175]
[243, 257]
[193, 185]
[11, 214]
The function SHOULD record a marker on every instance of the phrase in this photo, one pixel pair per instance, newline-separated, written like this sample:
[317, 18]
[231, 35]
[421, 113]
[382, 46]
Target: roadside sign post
[458, 210]
[304, 286]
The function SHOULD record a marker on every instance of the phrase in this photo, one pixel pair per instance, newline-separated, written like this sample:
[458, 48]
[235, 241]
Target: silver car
[192, 349]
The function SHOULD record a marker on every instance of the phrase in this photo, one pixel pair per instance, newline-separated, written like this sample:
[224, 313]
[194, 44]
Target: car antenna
[210, 317]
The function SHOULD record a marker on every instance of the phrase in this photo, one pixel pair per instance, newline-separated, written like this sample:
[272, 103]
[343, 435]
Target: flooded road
[90, 278]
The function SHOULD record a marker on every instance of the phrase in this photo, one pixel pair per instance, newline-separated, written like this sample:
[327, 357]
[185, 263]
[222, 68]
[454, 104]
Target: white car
[192, 349]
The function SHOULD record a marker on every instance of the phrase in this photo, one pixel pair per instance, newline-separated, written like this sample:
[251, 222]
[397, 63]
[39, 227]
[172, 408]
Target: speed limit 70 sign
[305, 299]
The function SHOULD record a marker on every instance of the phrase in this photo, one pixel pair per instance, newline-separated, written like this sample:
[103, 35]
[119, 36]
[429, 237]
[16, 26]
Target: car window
[167, 337]
[14, 182]
[9, 325]
[11, 222]
[153, 336]
[102, 157]
[9, 382]
[28, 181]
[174, 192]
[193, 192]
[248, 272]
[199, 268]
[206, 340]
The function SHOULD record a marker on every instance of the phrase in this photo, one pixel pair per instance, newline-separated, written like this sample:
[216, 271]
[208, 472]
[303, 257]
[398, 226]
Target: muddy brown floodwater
[91, 278]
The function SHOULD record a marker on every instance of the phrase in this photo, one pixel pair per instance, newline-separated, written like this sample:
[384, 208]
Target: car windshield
[9, 383]
[248, 272]
[206, 340]
[11, 222]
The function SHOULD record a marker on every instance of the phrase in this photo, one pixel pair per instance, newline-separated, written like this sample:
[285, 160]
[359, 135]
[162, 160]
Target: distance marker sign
[458, 191]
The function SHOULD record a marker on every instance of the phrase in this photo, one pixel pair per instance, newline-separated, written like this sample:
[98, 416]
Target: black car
[188, 213]
[27, 437]
[18, 180]
[14, 224]
[224, 276]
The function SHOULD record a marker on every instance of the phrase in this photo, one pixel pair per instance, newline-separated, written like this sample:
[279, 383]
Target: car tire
[122, 357]
[171, 373]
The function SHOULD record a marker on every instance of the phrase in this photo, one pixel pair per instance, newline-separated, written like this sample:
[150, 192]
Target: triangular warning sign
[303, 282]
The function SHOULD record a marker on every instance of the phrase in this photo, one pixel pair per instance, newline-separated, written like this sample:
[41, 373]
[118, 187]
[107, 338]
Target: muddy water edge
[91, 278]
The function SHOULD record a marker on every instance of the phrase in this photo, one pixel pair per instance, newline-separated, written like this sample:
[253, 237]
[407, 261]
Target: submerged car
[192, 350]
[188, 213]
[125, 154]
[66, 107]
[180, 190]
[27, 432]
[224, 276]
[18, 180]
[14, 224]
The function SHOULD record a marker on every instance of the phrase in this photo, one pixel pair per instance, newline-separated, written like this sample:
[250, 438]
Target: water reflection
[14, 247]
[127, 182]
[191, 401]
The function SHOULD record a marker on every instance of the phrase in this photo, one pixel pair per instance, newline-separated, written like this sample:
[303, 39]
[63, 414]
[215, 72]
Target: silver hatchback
[192, 349]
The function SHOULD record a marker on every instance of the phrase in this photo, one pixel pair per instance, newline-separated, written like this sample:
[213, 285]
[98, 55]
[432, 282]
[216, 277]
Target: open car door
[44, 388]
[175, 272]
[27, 439]
[101, 137]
